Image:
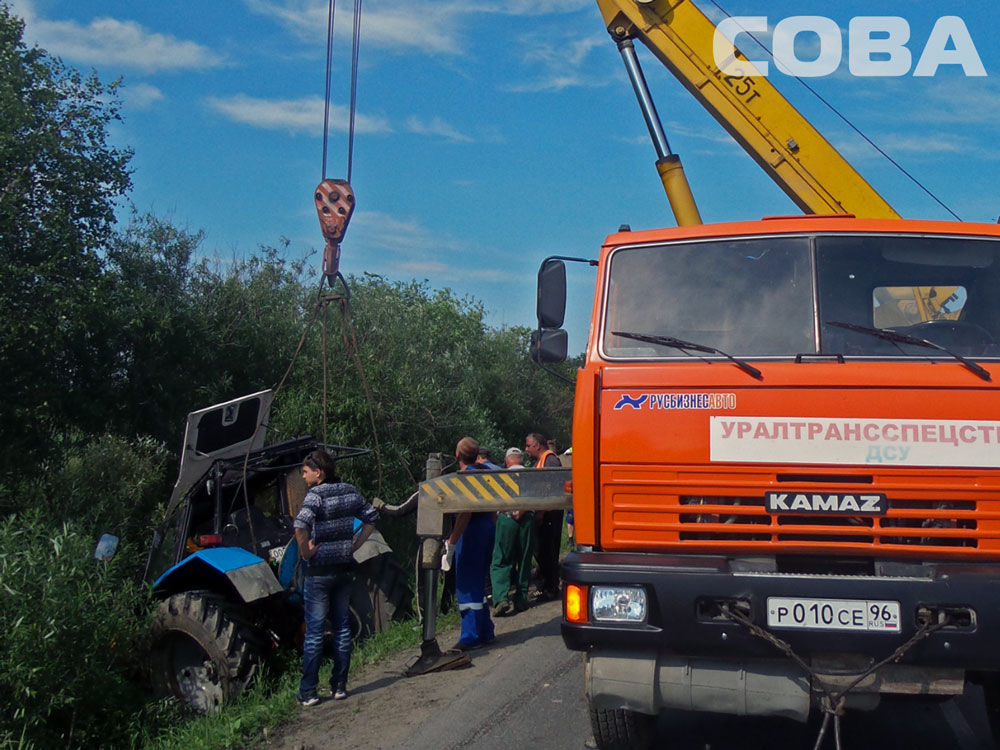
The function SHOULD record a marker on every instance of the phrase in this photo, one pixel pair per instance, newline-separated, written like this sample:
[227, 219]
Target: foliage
[107, 484]
[188, 334]
[412, 370]
[70, 627]
[59, 180]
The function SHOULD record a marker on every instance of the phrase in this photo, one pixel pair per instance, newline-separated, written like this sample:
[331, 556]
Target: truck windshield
[744, 296]
[760, 296]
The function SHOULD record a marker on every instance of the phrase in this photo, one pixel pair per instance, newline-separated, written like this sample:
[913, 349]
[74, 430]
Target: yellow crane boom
[783, 142]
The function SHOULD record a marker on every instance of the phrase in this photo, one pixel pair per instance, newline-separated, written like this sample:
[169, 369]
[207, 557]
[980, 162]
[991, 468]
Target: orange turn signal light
[568, 487]
[576, 603]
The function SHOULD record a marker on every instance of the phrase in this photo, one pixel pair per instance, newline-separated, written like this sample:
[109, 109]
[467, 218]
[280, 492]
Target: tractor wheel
[380, 595]
[201, 653]
[621, 729]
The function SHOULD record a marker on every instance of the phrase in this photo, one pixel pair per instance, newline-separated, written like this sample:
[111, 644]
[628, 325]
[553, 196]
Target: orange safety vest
[540, 463]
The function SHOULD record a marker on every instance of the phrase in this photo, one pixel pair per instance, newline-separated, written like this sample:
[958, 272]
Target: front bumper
[684, 592]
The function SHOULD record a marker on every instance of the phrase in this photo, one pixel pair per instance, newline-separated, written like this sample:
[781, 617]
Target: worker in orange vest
[549, 536]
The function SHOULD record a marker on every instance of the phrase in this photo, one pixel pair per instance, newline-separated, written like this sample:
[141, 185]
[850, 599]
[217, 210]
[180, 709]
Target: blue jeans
[326, 595]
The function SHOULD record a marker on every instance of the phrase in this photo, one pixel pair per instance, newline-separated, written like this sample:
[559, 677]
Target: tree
[59, 180]
[420, 370]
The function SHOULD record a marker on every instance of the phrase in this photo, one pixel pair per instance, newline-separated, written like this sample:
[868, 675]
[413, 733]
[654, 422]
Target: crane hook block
[334, 206]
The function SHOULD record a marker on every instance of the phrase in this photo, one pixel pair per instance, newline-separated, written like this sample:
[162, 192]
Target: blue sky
[489, 134]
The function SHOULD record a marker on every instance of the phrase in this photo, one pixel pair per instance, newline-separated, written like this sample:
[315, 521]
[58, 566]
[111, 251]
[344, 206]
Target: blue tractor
[225, 564]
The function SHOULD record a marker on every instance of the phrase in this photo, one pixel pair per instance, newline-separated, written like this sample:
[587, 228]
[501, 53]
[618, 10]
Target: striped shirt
[328, 513]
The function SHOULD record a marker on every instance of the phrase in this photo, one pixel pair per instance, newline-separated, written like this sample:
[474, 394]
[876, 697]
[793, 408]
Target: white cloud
[715, 135]
[426, 28]
[445, 272]
[962, 101]
[383, 231]
[531, 7]
[293, 115]
[923, 143]
[560, 64]
[109, 41]
[140, 95]
[437, 127]
[907, 147]
[402, 25]
[420, 252]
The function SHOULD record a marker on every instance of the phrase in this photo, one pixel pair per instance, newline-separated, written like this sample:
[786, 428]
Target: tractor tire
[201, 653]
[621, 729]
[380, 595]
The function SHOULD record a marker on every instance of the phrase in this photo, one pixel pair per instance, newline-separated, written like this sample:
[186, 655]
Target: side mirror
[548, 346]
[107, 545]
[551, 308]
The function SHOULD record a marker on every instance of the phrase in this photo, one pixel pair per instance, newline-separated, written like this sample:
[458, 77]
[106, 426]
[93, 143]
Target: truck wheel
[991, 691]
[621, 729]
[200, 654]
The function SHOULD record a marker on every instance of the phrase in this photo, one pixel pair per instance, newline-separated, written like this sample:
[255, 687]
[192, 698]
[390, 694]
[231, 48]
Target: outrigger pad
[432, 659]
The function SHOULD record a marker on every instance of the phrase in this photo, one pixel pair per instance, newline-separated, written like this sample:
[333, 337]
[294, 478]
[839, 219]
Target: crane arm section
[783, 142]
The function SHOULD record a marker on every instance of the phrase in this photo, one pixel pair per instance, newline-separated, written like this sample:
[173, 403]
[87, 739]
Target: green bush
[109, 484]
[70, 629]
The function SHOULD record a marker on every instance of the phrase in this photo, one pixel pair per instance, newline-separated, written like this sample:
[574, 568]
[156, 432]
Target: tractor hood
[224, 431]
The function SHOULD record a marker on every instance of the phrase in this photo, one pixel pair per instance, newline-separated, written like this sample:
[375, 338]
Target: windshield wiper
[902, 338]
[683, 345]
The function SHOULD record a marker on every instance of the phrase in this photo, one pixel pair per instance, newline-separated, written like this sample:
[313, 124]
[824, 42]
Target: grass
[267, 703]
[270, 700]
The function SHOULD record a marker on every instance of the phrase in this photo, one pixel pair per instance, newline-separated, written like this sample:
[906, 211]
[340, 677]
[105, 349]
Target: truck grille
[908, 523]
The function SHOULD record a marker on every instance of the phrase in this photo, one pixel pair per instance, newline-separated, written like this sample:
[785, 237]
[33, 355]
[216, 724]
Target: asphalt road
[550, 712]
[526, 691]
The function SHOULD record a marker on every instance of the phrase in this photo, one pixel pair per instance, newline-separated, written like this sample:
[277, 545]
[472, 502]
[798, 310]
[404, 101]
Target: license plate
[833, 614]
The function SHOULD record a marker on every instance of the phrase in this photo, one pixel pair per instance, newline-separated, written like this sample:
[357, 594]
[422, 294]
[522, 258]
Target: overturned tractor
[225, 564]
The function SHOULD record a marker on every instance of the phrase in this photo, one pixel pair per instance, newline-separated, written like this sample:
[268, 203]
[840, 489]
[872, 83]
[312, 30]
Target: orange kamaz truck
[786, 436]
[785, 476]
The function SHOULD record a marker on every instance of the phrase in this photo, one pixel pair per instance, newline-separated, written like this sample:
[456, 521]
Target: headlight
[618, 603]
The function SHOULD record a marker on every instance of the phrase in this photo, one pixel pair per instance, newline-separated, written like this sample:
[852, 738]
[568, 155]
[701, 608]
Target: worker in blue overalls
[471, 543]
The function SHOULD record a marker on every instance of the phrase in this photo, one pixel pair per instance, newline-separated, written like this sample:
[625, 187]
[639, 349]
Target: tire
[201, 654]
[991, 692]
[380, 595]
[621, 729]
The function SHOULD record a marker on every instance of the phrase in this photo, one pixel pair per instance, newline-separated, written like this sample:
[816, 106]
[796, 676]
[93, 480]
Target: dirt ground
[385, 707]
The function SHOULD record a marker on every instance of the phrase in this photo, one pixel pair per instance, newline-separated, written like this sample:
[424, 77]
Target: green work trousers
[511, 566]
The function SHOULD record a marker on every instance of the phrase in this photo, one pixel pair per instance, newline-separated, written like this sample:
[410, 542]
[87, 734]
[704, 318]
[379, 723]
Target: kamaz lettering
[789, 502]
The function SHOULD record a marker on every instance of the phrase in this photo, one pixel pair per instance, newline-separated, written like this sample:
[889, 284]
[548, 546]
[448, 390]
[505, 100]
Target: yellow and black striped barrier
[488, 492]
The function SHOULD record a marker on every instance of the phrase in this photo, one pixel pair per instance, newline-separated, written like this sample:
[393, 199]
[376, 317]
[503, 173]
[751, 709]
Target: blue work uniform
[473, 553]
